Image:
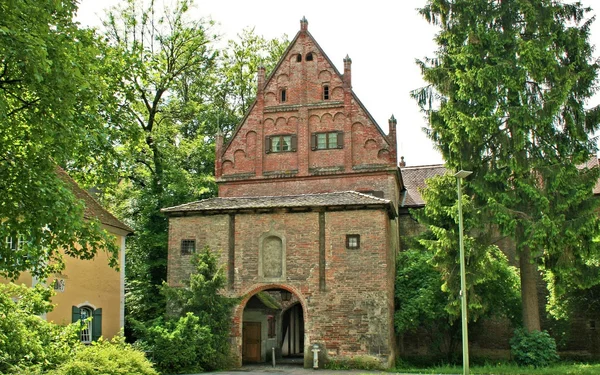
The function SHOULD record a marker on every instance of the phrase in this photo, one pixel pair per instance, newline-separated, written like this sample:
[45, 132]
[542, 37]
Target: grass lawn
[502, 369]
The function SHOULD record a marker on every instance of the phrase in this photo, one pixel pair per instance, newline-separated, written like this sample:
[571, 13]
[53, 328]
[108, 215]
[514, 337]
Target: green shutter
[340, 140]
[267, 145]
[294, 142]
[96, 324]
[75, 314]
[313, 141]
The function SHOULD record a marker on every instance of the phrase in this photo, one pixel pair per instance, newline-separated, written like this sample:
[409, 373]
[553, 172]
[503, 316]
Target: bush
[107, 358]
[27, 342]
[183, 345]
[536, 349]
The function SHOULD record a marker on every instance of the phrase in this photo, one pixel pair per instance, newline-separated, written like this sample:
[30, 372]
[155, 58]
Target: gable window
[327, 141]
[326, 92]
[353, 241]
[91, 329]
[283, 95]
[298, 58]
[309, 56]
[188, 247]
[281, 143]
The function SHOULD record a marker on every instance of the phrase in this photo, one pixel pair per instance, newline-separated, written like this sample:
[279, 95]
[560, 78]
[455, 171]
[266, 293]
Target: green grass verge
[502, 369]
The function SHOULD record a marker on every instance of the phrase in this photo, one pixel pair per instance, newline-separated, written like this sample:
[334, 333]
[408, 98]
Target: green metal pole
[463, 283]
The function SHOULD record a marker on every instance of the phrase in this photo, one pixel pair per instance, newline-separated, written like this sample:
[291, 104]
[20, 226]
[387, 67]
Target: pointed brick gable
[306, 122]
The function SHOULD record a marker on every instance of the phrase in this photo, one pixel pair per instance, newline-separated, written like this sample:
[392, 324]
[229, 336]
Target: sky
[382, 37]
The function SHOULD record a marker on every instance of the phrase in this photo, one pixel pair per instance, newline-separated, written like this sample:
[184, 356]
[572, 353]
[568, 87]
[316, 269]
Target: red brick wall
[352, 316]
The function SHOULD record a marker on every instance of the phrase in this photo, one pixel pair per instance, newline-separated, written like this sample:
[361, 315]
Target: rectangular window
[327, 141]
[326, 92]
[188, 247]
[283, 95]
[353, 241]
[280, 143]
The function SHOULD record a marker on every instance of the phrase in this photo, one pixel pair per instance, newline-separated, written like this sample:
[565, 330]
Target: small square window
[188, 247]
[353, 241]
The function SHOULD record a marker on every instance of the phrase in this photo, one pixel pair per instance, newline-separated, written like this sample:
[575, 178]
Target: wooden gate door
[251, 342]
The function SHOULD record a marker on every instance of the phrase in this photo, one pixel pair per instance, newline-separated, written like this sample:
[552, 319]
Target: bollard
[315, 351]
[273, 355]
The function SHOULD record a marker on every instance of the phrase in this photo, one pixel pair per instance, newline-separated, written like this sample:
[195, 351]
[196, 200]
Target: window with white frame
[86, 329]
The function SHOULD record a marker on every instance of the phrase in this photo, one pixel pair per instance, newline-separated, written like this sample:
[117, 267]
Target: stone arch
[370, 144]
[270, 98]
[282, 79]
[337, 93]
[228, 167]
[246, 295]
[239, 155]
[324, 76]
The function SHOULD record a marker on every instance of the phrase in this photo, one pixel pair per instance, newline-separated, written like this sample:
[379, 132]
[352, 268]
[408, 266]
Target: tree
[54, 105]
[238, 70]
[428, 276]
[506, 99]
[164, 61]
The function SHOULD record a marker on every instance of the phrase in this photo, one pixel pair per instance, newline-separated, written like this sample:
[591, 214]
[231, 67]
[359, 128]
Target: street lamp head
[462, 174]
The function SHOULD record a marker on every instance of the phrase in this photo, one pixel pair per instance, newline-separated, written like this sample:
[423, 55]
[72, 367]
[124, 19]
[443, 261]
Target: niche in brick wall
[271, 257]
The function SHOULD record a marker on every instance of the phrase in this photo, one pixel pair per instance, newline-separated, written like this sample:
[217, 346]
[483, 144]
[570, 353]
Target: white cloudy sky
[383, 38]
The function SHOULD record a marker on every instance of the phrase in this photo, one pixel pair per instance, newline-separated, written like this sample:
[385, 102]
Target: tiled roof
[343, 199]
[93, 209]
[414, 179]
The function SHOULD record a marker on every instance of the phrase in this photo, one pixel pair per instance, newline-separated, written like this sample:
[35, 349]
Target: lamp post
[463, 281]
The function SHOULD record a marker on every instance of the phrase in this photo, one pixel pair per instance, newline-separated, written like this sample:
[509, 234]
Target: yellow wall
[89, 282]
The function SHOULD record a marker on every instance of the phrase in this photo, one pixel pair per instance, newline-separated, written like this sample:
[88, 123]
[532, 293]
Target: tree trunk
[529, 295]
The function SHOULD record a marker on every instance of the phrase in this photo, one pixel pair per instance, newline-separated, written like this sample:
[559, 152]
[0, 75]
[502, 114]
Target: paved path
[289, 370]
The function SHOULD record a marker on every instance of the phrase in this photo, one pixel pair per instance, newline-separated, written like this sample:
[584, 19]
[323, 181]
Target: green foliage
[194, 337]
[108, 358]
[504, 369]
[536, 349]
[53, 110]
[493, 285]
[506, 99]
[181, 346]
[26, 340]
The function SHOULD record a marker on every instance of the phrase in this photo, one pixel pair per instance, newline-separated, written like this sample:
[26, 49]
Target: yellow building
[89, 287]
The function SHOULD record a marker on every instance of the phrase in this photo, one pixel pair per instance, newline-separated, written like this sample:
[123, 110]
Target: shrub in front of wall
[534, 349]
[179, 346]
[107, 358]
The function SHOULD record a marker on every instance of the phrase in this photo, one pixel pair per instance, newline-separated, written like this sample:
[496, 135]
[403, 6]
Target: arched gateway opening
[272, 321]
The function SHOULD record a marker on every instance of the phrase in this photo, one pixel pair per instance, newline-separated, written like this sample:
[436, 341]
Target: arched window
[309, 56]
[298, 58]
[91, 329]
[86, 329]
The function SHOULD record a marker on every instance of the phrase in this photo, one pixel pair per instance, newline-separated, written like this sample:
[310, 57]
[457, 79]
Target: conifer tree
[507, 99]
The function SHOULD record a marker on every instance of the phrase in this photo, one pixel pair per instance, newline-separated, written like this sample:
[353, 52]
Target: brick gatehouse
[306, 220]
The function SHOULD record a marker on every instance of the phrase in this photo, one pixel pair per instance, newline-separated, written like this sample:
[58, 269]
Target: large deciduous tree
[164, 62]
[54, 105]
[507, 100]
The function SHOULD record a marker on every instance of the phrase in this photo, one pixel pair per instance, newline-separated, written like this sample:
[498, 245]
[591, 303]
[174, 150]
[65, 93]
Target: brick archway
[238, 313]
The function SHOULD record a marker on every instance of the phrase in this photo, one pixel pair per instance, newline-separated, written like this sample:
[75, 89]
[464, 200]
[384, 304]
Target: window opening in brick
[592, 324]
[353, 241]
[188, 247]
[298, 58]
[309, 56]
[326, 92]
[326, 141]
[281, 143]
[283, 95]
[271, 324]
